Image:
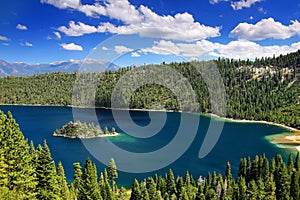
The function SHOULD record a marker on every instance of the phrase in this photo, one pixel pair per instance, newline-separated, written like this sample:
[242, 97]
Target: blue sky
[43, 31]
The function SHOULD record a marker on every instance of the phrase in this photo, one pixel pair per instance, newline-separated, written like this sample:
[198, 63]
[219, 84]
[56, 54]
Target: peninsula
[83, 130]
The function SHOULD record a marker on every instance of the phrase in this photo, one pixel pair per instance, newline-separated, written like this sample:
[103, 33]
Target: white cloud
[216, 1]
[71, 47]
[4, 38]
[21, 27]
[141, 20]
[239, 49]
[27, 44]
[239, 5]
[104, 48]
[57, 35]
[135, 54]
[122, 49]
[62, 4]
[265, 29]
[77, 29]
[92, 10]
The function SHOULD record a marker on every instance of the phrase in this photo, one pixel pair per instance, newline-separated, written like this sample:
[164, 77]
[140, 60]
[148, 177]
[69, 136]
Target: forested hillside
[264, 89]
[29, 172]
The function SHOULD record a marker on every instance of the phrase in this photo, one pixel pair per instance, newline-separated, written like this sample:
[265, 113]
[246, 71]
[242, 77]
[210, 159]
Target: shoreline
[291, 129]
[163, 110]
[98, 136]
[283, 140]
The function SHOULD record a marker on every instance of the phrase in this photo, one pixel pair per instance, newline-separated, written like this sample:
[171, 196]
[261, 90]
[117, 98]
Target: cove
[237, 140]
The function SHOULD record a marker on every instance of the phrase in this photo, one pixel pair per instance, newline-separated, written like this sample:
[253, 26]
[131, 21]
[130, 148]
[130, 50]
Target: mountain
[24, 69]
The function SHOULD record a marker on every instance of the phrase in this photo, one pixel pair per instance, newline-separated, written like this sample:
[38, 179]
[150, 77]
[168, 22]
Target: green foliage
[264, 89]
[62, 183]
[90, 187]
[136, 191]
[82, 130]
[16, 169]
[47, 187]
[112, 172]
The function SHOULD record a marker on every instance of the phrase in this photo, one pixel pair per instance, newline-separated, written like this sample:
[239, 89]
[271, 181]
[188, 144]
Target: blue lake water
[237, 140]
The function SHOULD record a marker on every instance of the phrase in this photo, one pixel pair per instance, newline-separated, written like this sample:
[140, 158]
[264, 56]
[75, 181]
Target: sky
[135, 32]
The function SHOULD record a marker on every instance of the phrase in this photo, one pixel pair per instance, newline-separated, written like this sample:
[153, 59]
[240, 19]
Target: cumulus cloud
[62, 4]
[27, 44]
[265, 29]
[21, 27]
[122, 49]
[77, 29]
[71, 47]
[239, 5]
[239, 49]
[141, 20]
[4, 38]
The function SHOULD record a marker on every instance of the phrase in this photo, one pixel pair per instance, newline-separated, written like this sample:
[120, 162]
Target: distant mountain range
[24, 69]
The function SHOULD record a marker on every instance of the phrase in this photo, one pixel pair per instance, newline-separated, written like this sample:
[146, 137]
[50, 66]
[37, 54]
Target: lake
[237, 140]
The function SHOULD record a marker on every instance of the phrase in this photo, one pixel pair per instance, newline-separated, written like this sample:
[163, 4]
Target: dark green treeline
[264, 89]
[27, 172]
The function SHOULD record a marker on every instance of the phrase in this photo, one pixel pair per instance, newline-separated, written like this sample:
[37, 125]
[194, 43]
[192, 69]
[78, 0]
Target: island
[83, 130]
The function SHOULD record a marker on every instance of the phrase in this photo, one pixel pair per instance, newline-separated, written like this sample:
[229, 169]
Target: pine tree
[89, 181]
[228, 174]
[187, 179]
[243, 168]
[62, 183]
[270, 187]
[252, 192]
[295, 188]
[17, 171]
[161, 185]
[265, 169]
[273, 166]
[179, 186]
[200, 195]
[77, 180]
[242, 188]
[3, 170]
[260, 189]
[105, 189]
[170, 182]
[144, 192]
[112, 173]
[255, 169]
[282, 182]
[135, 191]
[183, 195]
[297, 162]
[151, 187]
[47, 187]
[290, 163]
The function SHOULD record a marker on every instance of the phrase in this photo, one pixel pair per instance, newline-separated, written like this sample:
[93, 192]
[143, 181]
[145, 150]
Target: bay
[237, 140]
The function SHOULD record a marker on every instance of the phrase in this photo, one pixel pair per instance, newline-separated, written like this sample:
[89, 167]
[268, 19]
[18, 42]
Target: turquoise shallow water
[237, 140]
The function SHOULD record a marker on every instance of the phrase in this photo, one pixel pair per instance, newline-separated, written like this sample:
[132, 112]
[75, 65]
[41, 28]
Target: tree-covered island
[83, 130]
